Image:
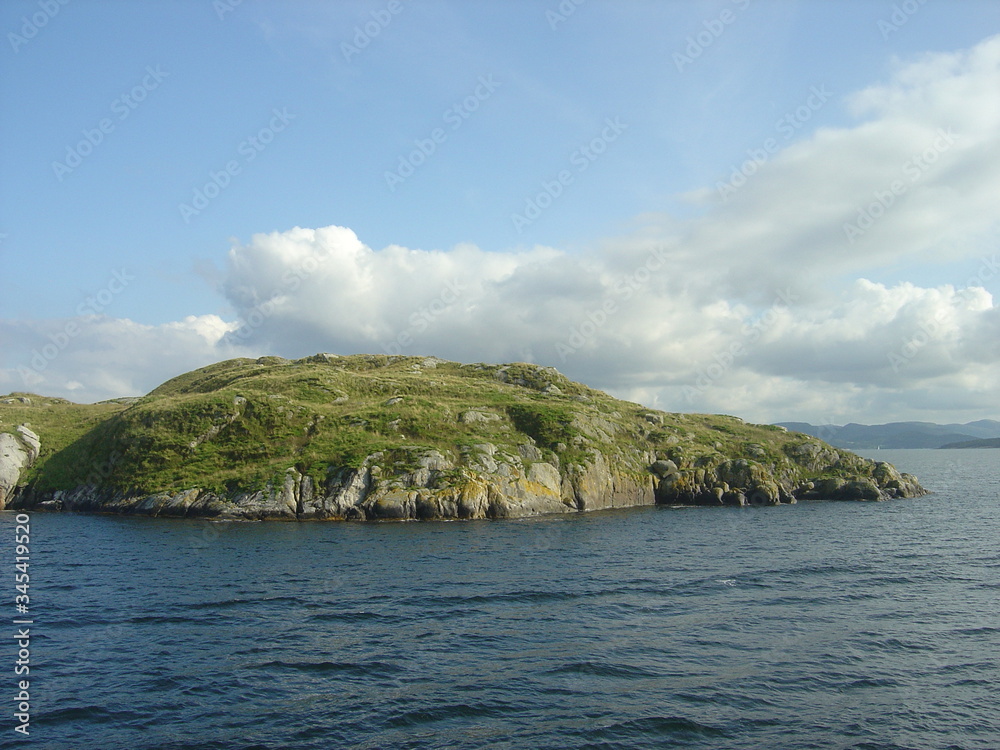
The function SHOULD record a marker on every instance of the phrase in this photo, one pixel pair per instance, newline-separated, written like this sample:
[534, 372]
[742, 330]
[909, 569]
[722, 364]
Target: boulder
[31, 442]
[13, 458]
[663, 468]
[472, 416]
[18, 451]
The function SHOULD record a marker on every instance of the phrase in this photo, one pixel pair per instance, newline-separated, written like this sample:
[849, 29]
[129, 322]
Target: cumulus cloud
[760, 305]
[323, 288]
[95, 357]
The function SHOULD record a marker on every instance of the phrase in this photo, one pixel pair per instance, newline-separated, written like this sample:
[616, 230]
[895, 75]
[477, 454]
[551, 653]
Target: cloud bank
[760, 306]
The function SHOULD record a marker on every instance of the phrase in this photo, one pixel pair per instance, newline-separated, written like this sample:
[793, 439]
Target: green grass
[240, 424]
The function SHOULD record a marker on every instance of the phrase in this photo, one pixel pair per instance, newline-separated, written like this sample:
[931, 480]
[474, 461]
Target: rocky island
[368, 437]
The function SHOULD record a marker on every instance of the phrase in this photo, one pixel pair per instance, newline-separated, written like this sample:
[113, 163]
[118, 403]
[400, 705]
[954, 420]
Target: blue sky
[303, 110]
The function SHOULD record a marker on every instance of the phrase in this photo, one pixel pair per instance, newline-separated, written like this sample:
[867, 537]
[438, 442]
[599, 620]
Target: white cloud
[94, 357]
[931, 132]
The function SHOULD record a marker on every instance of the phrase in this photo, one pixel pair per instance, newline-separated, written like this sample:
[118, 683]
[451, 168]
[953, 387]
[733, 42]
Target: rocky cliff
[376, 437]
[18, 451]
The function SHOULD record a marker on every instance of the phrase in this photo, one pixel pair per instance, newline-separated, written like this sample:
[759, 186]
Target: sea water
[817, 625]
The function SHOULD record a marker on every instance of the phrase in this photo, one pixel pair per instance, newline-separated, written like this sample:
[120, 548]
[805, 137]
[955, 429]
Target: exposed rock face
[472, 416]
[747, 482]
[484, 483]
[597, 486]
[18, 451]
[885, 483]
[12, 459]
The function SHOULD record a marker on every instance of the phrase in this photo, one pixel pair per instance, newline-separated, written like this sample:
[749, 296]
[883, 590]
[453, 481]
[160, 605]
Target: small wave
[209, 688]
[983, 630]
[897, 580]
[814, 569]
[420, 716]
[206, 744]
[253, 650]
[361, 669]
[895, 644]
[663, 727]
[526, 597]
[80, 621]
[599, 669]
[969, 683]
[869, 682]
[231, 603]
[94, 714]
[161, 620]
[358, 617]
[162, 683]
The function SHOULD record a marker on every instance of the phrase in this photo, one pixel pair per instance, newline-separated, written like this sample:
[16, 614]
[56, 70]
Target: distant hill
[983, 443]
[899, 434]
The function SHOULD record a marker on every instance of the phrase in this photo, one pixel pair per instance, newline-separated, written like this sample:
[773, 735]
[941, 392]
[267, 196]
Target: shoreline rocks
[486, 483]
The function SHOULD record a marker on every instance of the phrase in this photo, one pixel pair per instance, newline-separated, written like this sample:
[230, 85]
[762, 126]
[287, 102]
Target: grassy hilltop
[242, 426]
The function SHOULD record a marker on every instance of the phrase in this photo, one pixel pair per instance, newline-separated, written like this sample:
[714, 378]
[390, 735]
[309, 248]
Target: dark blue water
[820, 625]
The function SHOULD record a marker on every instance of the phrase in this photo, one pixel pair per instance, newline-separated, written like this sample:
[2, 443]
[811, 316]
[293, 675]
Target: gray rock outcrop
[18, 451]
[485, 482]
[749, 482]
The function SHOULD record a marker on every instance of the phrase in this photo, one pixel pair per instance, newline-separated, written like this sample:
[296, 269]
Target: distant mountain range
[982, 434]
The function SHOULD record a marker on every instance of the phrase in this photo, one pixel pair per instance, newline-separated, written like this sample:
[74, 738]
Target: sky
[773, 209]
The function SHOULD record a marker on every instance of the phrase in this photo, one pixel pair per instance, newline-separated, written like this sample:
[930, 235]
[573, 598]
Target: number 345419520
[22, 538]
